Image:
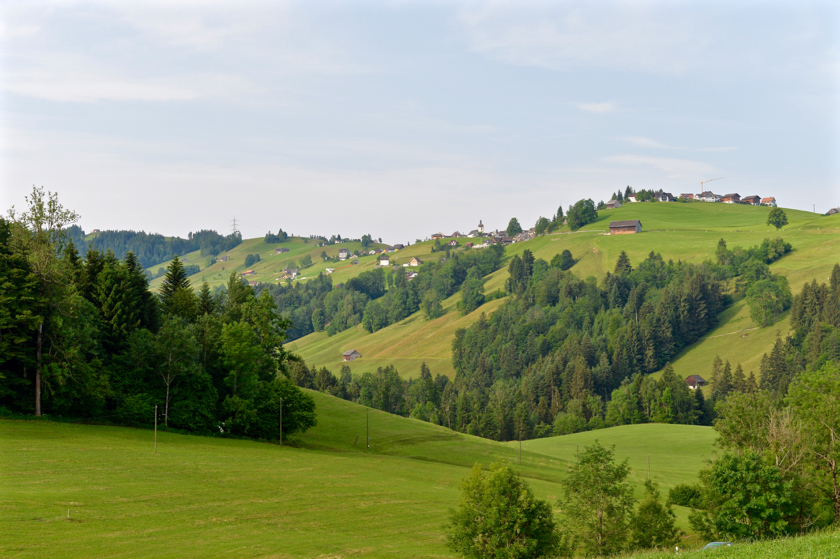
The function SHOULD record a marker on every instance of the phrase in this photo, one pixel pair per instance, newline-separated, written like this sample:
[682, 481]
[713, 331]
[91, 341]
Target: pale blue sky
[401, 119]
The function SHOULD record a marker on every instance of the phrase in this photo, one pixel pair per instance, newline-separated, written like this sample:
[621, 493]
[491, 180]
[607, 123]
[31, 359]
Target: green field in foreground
[325, 495]
[824, 545]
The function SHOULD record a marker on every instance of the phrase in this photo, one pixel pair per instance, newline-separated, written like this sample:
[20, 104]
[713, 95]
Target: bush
[684, 495]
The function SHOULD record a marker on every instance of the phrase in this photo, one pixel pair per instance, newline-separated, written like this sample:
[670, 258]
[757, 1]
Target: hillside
[325, 496]
[688, 232]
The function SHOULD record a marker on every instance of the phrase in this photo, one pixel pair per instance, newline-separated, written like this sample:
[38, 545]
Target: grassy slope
[688, 232]
[824, 545]
[324, 496]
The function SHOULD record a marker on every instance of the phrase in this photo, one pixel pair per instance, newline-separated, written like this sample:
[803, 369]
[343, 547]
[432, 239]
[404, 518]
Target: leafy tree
[177, 351]
[598, 500]
[814, 397]
[251, 259]
[542, 225]
[744, 497]
[566, 260]
[431, 305]
[653, 525]
[513, 227]
[318, 320]
[306, 261]
[499, 517]
[324, 255]
[767, 299]
[582, 213]
[777, 218]
[472, 292]
[39, 236]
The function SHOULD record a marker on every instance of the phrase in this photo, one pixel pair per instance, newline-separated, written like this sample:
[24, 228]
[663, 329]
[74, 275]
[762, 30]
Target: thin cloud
[672, 167]
[597, 108]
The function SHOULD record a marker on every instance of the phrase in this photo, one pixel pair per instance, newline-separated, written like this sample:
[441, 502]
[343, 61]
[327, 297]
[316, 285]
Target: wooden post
[155, 429]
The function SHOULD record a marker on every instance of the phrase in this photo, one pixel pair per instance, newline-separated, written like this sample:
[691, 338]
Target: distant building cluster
[707, 196]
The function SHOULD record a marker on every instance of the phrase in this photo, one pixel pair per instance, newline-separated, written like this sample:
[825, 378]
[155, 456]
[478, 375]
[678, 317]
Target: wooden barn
[627, 227]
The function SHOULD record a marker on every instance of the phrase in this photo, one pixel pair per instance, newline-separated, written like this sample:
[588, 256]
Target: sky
[401, 119]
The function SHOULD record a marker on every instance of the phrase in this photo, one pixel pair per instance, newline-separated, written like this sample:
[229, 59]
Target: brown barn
[695, 381]
[751, 200]
[625, 227]
[350, 355]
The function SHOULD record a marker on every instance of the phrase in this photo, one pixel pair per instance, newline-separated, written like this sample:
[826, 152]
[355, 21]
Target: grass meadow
[324, 495]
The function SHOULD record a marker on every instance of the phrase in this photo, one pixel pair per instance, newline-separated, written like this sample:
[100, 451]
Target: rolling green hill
[325, 496]
[679, 231]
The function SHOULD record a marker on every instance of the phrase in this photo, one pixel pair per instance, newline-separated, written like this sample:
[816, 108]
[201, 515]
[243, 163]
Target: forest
[83, 337]
[152, 248]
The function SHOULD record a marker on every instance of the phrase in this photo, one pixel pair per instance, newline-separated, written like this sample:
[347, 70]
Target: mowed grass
[688, 232]
[324, 495]
[824, 545]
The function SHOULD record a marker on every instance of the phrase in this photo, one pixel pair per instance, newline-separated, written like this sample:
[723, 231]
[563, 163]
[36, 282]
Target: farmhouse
[354, 262]
[768, 201]
[343, 254]
[833, 211]
[249, 273]
[437, 236]
[253, 283]
[415, 261]
[751, 200]
[350, 355]
[625, 227]
[613, 204]
[224, 258]
[398, 246]
[330, 270]
[710, 196]
[469, 245]
[280, 250]
[688, 196]
[693, 381]
[731, 198]
[631, 199]
[665, 197]
[384, 260]
[456, 234]
[453, 243]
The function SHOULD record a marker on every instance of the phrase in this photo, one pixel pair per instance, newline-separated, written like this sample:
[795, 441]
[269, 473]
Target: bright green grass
[325, 495]
[825, 545]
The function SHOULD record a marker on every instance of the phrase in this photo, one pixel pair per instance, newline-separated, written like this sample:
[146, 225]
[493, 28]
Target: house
[456, 234]
[249, 273]
[687, 196]
[474, 233]
[665, 197]
[280, 250]
[224, 258]
[833, 211]
[710, 196]
[384, 260]
[694, 381]
[410, 275]
[293, 272]
[505, 240]
[330, 270]
[631, 198]
[398, 246]
[625, 227]
[469, 245]
[95, 231]
[731, 198]
[768, 202]
[350, 355]
[253, 283]
[437, 236]
[415, 261]
[613, 204]
[343, 254]
[453, 243]
[751, 200]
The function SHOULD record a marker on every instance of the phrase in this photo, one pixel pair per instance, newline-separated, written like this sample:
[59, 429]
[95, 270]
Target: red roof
[771, 199]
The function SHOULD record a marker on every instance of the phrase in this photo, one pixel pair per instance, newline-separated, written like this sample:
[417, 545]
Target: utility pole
[155, 429]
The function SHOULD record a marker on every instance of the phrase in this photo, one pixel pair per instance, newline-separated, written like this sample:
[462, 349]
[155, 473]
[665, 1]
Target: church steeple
[480, 226]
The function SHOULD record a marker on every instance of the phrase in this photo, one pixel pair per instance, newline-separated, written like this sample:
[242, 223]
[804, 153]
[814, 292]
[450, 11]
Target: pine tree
[752, 385]
[206, 304]
[725, 384]
[739, 381]
[622, 266]
[717, 366]
[175, 279]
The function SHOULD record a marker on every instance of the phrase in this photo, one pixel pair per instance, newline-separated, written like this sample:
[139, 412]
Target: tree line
[84, 337]
[152, 248]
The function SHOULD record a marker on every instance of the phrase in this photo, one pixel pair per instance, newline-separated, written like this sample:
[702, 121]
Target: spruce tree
[175, 279]
[622, 266]
[206, 304]
[739, 381]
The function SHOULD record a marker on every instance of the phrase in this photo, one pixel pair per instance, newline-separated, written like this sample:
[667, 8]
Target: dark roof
[696, 378]
[626, 223]
[349, 352]
[735, 194]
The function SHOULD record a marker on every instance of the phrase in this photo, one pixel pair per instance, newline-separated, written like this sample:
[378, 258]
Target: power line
[234, 226]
